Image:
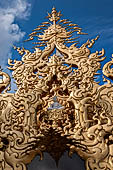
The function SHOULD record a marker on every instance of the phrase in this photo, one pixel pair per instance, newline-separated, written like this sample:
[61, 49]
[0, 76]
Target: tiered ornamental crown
[58, 106]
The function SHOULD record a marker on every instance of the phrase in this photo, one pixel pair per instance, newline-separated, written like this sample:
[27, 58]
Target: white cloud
[10, 31]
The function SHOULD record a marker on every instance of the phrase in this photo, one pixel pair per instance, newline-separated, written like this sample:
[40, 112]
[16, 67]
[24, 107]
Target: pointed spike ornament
[51, 29]
[54, 16]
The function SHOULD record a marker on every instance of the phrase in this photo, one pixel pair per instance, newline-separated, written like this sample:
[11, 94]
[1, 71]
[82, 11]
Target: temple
[58, 106]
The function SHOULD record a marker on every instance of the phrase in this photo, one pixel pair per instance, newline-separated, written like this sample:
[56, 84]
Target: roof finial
[54, 16]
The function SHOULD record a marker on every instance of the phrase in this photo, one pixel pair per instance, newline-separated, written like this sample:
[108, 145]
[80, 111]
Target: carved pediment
[58, 106]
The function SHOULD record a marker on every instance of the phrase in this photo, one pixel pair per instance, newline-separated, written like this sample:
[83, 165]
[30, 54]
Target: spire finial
[54, 16]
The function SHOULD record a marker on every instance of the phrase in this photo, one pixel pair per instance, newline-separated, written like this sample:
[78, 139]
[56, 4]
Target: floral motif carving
[58, 105]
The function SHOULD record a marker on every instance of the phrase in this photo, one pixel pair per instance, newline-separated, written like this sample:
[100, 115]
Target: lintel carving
[58, 106]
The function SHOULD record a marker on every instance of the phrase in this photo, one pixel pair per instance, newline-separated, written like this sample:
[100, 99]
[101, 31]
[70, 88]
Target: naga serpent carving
[58, 106]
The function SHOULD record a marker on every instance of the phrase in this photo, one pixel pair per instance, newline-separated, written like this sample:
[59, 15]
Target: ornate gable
[58, 105]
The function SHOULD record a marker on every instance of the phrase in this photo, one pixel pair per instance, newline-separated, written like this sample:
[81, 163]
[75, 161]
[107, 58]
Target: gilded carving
[58, 106]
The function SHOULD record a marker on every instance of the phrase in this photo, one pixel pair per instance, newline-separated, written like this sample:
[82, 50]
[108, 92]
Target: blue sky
[19, 17]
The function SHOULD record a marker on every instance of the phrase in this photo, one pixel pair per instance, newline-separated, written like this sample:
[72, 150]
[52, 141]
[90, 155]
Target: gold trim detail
[58, 106]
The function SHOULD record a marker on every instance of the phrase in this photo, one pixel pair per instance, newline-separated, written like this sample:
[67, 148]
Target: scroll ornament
[58, 106]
